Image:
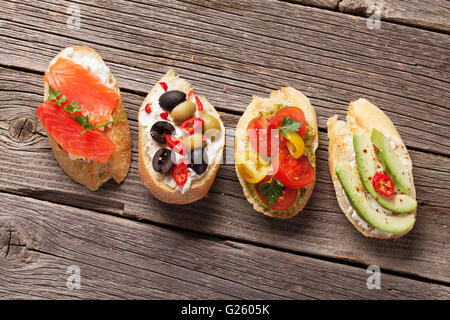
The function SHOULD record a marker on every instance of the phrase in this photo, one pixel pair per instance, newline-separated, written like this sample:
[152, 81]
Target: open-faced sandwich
[275, 144]
[181, 141]
[372, 172]
[84, 118]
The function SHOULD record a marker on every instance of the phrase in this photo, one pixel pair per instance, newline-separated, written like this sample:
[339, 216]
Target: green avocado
[391, 162]
[354, 190]
[365, 159]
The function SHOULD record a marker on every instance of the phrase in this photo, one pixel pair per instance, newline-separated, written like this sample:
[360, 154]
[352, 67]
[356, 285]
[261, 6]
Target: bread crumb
[225, 90]
[192, 58]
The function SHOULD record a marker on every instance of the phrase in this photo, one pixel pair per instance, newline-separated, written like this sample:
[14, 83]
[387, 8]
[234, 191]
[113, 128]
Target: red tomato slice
[260, 135]
[284, 202]
[180, 173]
[293, 173]
[295, 114]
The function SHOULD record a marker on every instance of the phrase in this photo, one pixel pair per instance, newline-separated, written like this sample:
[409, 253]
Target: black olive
[160, 129]
[198, 160]
[162, 160]
[171, 99]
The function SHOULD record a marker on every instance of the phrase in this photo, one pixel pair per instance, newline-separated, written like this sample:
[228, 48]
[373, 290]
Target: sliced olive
[194, 141]
[171, 99]
[162, 160]
[211, 126]
[183, 111]
[160, 129]
[198, 160]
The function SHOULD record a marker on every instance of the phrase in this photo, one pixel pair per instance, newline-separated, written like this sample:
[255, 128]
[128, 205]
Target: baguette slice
[286, 96]
[154, 181]
[89, 173]
[362, 115]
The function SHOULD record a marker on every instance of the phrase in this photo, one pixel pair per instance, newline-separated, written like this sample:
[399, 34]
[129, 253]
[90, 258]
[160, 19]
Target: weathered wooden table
[127, 244]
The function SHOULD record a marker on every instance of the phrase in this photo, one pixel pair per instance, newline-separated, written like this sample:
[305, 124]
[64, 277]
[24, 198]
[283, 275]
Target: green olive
[211, 126]
[194, 141]
[183, 111]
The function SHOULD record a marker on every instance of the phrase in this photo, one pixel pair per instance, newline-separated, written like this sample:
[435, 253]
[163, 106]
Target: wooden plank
[123, 259]
[332, 58]
[28, 167]
[431, 14]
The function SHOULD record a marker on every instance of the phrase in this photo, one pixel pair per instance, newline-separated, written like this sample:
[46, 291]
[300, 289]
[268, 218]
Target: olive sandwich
[181, 141]
[372, 172]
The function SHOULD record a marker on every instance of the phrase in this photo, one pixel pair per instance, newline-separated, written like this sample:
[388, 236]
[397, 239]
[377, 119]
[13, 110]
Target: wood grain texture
[28, 168]
[123, 259]
[324, 4]
[332, 58]
[431, 14]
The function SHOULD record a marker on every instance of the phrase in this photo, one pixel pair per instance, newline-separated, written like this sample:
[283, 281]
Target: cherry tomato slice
[292, 173]
[260, 135]
[191, 125]
[295, 114]
[284, 202]
[383, 184]
[180, 174]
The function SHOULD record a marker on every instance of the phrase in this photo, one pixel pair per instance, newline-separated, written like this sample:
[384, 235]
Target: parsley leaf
[271, 190]
[89, 126]
[289, 125]
[55, 97]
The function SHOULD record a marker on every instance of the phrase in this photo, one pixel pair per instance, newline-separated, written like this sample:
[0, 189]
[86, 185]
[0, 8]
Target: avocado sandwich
[372, 172]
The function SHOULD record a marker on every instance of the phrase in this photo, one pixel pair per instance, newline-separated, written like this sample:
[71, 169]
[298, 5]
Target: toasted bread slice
[287, 97]
[362, 115]
[154, 181]
[89, 173]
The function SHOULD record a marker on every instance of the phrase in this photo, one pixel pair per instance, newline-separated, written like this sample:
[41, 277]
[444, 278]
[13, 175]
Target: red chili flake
[190, 94]
[148, 108]
[184, 161]
[164, 115]
[163, 85]
[365, 150]
[375, 148]
[199, 104]
[175, 144]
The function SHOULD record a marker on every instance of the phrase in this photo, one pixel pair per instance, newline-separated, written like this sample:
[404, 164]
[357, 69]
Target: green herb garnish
[271, 190]
[289, 125]
[71, 108]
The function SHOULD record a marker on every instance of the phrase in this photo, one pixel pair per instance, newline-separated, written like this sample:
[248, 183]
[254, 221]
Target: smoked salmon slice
[93, 144]
[77, 83]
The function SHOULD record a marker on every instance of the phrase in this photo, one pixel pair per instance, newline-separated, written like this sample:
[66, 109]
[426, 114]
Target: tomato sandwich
[372, 172]
[275, 144]
[181, 141]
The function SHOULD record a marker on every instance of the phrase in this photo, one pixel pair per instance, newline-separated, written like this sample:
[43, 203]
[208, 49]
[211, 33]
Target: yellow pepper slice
[252, 167]
[295, 144]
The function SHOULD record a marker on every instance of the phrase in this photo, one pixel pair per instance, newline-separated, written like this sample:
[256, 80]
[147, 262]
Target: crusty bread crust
[286, 96]
[90, 173]
[362, 115]
[154, 181]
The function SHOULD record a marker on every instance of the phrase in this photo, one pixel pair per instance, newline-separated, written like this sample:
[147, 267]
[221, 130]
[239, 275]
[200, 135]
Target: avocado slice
[365, 159]
[391, 162]
[355, 193]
